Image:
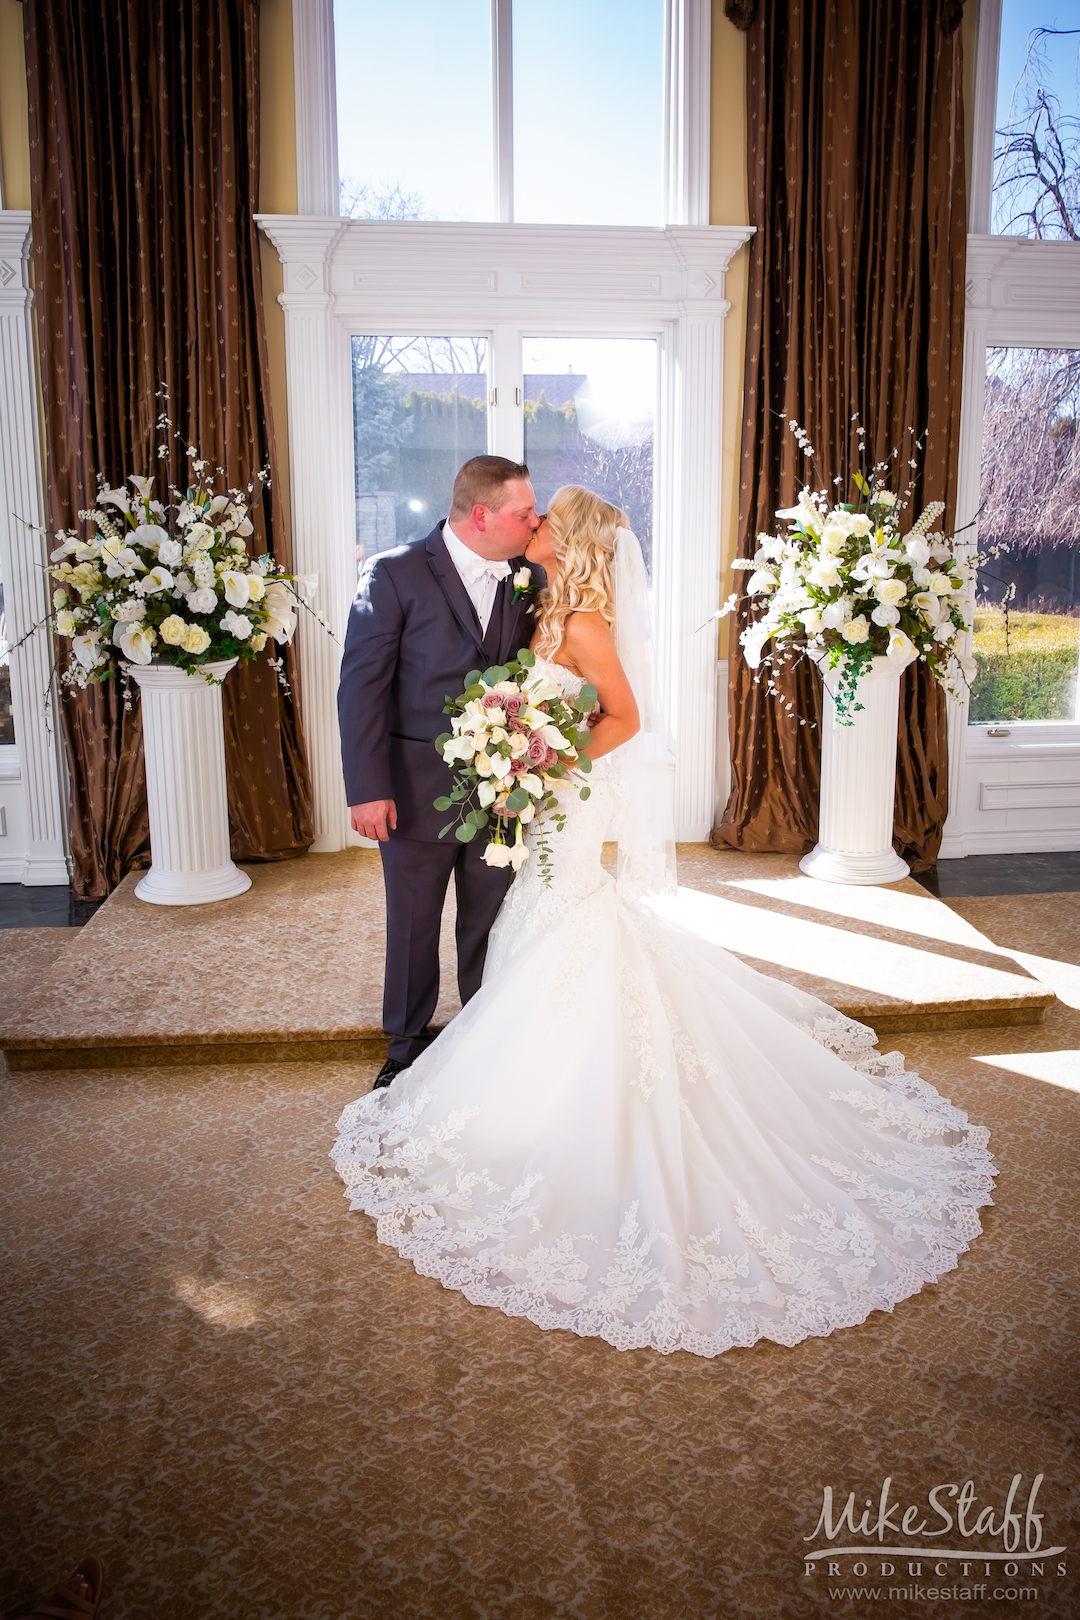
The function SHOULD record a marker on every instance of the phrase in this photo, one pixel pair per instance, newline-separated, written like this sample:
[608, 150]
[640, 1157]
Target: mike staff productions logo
[952, 1545]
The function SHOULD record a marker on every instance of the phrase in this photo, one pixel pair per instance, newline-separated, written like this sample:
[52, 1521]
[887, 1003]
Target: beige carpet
[215, 1378]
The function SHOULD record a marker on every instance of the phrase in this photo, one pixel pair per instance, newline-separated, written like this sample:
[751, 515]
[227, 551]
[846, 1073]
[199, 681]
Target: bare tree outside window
[1037, 156]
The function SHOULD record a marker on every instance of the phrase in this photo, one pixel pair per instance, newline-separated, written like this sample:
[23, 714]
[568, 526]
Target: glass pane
[590, 407]
[414, 108]
[7, 722]
[588, 95]
[1037, 150]
[1027, 611]
[419, 411]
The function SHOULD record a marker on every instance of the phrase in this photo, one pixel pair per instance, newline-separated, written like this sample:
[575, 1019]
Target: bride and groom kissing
[627, 1132]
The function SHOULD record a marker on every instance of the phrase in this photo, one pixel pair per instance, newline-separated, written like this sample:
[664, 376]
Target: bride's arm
[590, 646]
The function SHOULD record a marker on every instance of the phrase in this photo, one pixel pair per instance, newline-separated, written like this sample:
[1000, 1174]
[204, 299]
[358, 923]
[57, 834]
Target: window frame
[1020, 293]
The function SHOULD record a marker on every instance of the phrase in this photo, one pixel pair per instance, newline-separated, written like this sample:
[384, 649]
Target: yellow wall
[277, 195]
[14, 139]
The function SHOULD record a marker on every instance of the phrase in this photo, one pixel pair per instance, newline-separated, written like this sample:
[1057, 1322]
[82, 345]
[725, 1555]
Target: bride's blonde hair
[583, 537]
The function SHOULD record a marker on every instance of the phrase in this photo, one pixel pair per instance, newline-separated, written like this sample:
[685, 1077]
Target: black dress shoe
[389, 1069]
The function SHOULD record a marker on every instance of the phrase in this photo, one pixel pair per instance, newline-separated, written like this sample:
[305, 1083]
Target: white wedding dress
[630, 1134]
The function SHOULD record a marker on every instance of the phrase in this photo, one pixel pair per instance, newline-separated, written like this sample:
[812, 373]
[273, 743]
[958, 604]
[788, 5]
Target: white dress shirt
[479, 577]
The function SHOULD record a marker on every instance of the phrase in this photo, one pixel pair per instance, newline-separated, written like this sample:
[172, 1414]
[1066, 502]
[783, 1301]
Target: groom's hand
[372, 820]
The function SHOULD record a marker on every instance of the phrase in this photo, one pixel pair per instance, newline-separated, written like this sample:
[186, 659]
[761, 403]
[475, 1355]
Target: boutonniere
[524, 584]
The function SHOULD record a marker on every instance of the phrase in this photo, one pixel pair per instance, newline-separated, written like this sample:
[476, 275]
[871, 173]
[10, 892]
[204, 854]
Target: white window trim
[1020, 293]
[347, 276]
[42, 860]
[687, 64]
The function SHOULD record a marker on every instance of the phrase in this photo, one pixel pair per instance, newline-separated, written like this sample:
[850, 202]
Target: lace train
[629, 1134]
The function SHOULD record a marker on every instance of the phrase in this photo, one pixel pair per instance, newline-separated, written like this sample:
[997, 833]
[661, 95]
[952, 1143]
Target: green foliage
[1029, 675]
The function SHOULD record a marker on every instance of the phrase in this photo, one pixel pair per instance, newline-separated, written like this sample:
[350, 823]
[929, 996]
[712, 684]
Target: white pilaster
[315, 96]
[186, 798]
[23, 554]
[319, 366]
[687, 71]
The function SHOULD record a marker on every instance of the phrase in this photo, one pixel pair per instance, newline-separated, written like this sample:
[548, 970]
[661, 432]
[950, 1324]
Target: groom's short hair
[482, 482]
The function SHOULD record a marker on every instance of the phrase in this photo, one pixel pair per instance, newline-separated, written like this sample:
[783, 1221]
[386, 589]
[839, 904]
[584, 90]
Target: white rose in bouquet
[204, 600]
[890, 591]
[855, 630]
[172, 630]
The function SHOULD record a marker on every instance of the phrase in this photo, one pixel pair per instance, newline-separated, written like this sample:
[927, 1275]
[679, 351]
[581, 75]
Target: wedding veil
[644, 778]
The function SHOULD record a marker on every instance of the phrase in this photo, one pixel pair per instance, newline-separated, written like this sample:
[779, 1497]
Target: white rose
[238, 623]
[901, 649]
[941, 584]
[482, 767]
[860, 523]
[496, 855]
[890, 591]
[885, 615]
[855, 630]
[522, 580]
[236, 587]
[811, 621]
[170, 552]
[884, 497]
[833, 538]
[65, 622]
[825, 573]
[519, 742]
[921, 577]
[837, 613]
[172, 630]
[204, 600]
[196, 639]
[256, 587]
[917, 551]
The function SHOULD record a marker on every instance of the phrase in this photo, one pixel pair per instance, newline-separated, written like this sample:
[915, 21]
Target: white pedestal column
[858, 784]
[184, 745]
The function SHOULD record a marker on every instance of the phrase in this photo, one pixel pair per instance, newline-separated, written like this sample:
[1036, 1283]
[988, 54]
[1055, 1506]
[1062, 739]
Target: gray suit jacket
[413, 636]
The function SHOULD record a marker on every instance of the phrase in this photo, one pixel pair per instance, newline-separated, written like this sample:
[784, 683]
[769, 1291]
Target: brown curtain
[144, 147]
[855, 303]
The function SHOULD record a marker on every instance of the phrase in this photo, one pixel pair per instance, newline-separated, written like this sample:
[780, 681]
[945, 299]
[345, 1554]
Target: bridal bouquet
[845, 584]
[515, 739]
[172, 583]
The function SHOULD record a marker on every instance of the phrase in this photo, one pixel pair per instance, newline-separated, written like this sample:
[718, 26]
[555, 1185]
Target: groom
[424, 615]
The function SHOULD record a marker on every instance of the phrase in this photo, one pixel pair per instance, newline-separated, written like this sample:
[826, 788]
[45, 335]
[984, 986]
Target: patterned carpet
[217, 1380]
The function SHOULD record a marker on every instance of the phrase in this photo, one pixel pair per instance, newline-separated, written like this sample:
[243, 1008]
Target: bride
[627, 1132]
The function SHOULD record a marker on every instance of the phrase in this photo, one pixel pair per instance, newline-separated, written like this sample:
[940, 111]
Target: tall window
[541, 111]
[1037, 147]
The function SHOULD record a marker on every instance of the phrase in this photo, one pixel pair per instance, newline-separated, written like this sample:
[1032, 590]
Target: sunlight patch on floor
[1055, 1068]
[904, 973]
[221, 1304]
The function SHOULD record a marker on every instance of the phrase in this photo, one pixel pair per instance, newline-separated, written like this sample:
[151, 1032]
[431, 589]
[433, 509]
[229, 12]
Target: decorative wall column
[687, 88]
[315, 92]
[23, 553]
[319, 369]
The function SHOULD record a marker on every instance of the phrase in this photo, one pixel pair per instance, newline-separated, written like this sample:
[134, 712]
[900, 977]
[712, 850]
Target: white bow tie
[475, 571]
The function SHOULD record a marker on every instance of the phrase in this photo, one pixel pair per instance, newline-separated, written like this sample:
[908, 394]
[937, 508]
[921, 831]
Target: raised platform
[292, 970]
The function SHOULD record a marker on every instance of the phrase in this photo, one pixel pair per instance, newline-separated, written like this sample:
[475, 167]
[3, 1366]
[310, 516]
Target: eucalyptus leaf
[584, 763]
[583, 793]
[446, 829]
[442, 739]
[526, 658]
[472, 678]
[441, 803]
[466, 832]
[476, 691]
[517, 800]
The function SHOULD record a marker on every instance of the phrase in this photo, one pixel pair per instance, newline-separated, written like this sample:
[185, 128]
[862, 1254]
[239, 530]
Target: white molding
[23, 555]
[687, 89]
[984, 119]
[1025, 294]
[347, 276]
[315, 97]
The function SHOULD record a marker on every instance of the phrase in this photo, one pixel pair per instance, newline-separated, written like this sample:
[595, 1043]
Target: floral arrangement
[844, 584]
[515, 740]
[173, 583]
